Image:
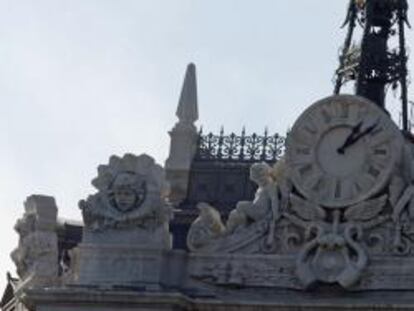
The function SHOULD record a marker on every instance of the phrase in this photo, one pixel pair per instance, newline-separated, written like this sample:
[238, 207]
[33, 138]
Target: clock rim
[396, 147]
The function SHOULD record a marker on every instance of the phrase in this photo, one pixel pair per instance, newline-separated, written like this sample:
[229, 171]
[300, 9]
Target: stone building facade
[320, 220]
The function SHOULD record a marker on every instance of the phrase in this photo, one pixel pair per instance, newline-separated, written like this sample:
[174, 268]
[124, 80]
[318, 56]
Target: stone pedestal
[158, 238]
[123, 266]
[130, 257]
[182, 150]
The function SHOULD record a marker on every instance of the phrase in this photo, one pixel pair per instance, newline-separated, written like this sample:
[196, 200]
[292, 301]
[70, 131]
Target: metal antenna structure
[372, 63]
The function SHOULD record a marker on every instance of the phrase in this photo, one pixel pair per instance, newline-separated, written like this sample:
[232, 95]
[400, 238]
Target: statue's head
[131, 193]
[123, 192]
[127, 192]
[260, 173]
[211, 217]
[279, 169]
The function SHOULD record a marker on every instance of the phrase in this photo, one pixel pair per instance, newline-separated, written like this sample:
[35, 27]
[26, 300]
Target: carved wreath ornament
[333, 251]
[131, 192]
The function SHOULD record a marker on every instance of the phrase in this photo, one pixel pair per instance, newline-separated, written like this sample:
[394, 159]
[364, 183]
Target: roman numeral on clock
[305, 169]
[303, 150]
[380, 151]
[343, 111]
[374, 172]
[338, 189]
[326, 116]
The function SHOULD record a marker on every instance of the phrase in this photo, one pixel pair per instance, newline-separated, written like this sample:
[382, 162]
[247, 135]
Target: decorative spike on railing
[242, 143]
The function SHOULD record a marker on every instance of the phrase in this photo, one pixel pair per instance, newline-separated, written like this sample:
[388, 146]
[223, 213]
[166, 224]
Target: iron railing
[240, 148]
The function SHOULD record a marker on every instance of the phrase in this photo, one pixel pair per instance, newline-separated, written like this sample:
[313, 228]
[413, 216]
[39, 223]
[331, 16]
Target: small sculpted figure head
[260, 173]
[279, 171]
[123, 191]
[210, 217]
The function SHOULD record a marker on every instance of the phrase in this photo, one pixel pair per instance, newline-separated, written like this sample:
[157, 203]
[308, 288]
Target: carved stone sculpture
[326, 256]
[207, 227]
[36, 257]
[21, 255]
[126, 225]
[401, 190]
[265, 198]
[131, 193]
[340, 210]
[248, 221]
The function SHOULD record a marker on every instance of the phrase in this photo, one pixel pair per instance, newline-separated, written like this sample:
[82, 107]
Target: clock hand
[355, 130]
[368, 130]
[358, 136]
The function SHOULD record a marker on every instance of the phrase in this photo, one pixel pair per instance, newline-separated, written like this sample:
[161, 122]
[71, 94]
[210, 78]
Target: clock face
[342, 150]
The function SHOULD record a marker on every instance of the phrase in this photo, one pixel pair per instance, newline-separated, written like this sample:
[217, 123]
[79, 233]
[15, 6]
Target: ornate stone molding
[131, 193]
[126, 230]
[324, 244]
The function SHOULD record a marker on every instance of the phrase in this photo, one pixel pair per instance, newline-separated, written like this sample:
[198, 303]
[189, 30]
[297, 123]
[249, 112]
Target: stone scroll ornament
[131, 193]
[401, 190]
[334, 252]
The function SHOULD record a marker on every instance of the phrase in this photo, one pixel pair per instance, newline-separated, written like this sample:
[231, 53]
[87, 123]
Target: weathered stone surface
[183, 138]
[67, 299]
[332, 237]
[36, 256]
[126, 226]
[114, 265]
[286, 250]
[131, 194]
[249, 222]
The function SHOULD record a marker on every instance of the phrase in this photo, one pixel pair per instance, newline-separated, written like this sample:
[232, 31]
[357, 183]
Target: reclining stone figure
[208, 228]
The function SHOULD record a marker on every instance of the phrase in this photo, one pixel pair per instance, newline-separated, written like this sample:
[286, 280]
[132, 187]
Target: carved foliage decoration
[131, 192]
[334, 250]
[36, 257]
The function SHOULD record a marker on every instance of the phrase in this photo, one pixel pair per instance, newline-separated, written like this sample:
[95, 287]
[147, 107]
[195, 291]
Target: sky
[81, 80]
